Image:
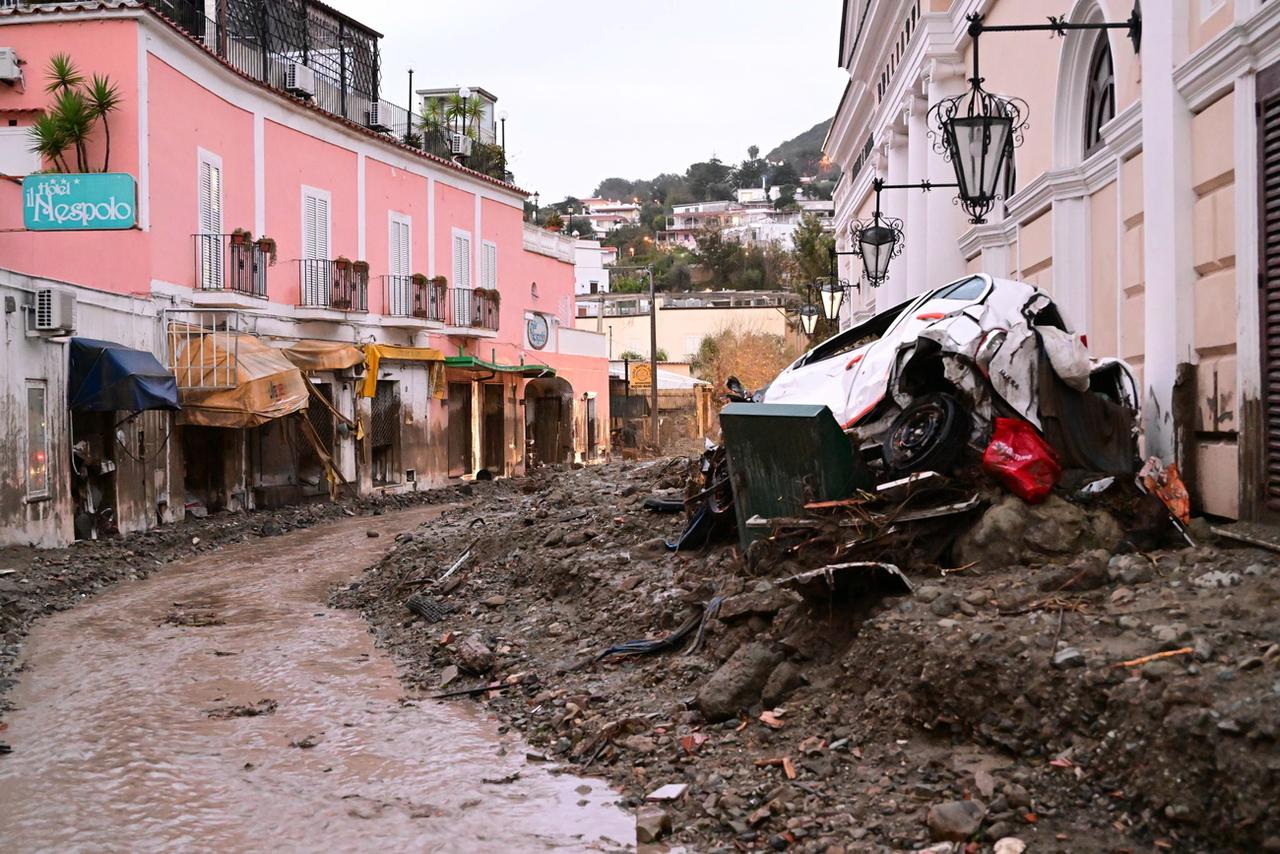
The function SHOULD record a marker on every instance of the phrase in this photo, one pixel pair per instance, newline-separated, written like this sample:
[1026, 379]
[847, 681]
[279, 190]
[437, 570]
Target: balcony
[473, 313]
[413, 302]
[327, 286]
[230, 272]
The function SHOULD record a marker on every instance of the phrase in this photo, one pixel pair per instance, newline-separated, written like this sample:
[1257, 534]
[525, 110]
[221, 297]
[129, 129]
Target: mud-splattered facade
[264, 216]
[1140, 201]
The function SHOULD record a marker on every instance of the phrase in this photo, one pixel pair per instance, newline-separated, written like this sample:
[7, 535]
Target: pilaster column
[893, 204]
[1168, 200]
[946, 221]
[916, 222]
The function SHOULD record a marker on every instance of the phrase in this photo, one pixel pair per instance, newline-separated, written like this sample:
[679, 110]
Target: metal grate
[202, 348]
[385, 416]
[1269, 278]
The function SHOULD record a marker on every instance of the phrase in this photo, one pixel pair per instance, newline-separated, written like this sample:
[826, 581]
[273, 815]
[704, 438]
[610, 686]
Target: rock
[270, 528]
[1013, 531]
[1009, 845]
[737, 683]
[764, 603]
[578, 537]
[944, 605]
[372, 534]
[653, 548]
[474, 654]
[669, 792]
[784, 679]
[652, 823]
[1203, 650]
[926, 593]
[447, 675]
[1068, 657]
[642, 744]
[955, 821]
[1217, 579]
[495, 601]
[1018, 796]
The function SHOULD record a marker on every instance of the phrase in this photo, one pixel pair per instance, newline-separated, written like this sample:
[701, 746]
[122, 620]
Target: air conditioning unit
[300, 80]
[460, 145]
[55, 311]
[377, 118]
[10, 69]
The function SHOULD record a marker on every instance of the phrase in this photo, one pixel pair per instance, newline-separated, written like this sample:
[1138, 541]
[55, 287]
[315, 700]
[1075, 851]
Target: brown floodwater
[115, 749]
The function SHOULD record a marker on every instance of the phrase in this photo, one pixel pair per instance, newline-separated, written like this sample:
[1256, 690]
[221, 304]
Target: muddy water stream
[115, 748]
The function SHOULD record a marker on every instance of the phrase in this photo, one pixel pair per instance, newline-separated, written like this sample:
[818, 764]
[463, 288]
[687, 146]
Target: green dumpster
[784, 455]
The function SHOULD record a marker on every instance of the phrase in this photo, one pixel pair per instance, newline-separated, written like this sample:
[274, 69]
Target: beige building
[683, 319]
[1140, 199]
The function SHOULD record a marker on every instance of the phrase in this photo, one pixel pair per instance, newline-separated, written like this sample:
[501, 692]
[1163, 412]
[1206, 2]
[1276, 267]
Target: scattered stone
[955, 821]
[1009, 845]
[784, 679]
[475, 655]
[372, 534]
[1068, 657]
[1217, 579]
[669, 792]
[738, 682]
[449, 674]
[652, 823]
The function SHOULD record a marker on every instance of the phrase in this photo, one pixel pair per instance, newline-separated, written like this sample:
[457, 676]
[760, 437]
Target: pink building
[432, 326]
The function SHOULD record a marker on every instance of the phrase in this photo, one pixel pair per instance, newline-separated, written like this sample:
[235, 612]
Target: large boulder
[738, 682]
[1013, 531]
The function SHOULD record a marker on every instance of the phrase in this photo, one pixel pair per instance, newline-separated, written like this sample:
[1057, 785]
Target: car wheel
[929, 435]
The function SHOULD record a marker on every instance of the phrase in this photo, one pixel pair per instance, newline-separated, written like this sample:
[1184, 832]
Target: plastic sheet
[1021, 460]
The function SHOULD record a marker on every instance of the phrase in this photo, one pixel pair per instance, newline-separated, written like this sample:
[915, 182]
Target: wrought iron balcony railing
[476, 309]
[226, 263]
[337, 284]
[410, 296]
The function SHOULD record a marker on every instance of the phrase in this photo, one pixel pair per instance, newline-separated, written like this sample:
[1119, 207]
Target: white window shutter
[490, 266]
[461, 261]
[210, 192]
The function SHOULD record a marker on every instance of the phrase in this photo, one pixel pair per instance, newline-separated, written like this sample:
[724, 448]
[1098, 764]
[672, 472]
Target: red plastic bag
[1021, 460]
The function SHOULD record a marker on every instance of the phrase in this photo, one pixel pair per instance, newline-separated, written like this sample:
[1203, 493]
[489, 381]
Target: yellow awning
[374, 353]
[323, 355]
[267, 385]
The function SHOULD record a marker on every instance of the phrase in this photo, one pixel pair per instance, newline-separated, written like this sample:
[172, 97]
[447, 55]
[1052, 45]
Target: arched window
[1100, 103]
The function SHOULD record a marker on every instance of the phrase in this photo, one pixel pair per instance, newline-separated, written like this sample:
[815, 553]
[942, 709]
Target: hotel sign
[104, 201]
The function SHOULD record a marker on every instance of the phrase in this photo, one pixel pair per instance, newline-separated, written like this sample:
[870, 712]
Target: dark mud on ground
[35, 582]
[998, 684]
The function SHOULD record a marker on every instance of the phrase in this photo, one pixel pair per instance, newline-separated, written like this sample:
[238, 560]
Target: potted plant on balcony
[361, 267]
[241, 237]
[342, 262]
[554, 222]
[267, 246]
[419, 279]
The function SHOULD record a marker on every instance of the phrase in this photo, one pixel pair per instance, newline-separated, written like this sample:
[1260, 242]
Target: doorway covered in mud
[548, 414]
[384, 433]
[459, 430]
[493, 434]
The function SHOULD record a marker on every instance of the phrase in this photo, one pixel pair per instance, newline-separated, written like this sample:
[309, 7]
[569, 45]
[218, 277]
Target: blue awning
[106, 377]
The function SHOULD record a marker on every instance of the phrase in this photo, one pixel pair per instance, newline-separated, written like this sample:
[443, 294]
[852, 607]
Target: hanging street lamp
[831, 295]
[879, 239]
[809, 318]
[977, 131]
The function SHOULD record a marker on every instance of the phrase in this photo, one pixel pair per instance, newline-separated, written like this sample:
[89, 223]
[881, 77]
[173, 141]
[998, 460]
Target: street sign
[641, 374]
[104, 201]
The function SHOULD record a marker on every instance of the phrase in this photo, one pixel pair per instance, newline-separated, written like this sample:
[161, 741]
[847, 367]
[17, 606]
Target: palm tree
[435, 117]
[103, 98]
[72, 111]
[472, 115]
[49, 140]
[457, 111]
[63, 74]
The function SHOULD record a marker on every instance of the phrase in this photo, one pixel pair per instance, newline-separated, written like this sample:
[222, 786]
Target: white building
[590, 262]
[752, 220]
[605, 215]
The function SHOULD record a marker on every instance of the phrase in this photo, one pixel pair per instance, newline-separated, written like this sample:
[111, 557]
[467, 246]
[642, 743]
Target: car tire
[929, 435]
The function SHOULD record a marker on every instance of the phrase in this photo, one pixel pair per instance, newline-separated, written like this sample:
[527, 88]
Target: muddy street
[220, 705]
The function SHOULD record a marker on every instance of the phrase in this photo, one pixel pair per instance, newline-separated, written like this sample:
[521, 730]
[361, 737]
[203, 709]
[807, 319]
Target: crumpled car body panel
[997, 327]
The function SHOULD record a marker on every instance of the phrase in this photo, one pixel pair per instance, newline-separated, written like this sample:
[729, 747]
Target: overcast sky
[620, 87]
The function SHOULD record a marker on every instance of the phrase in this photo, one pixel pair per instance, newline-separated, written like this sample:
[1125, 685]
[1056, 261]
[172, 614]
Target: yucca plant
[76, 110]
[104, 98]
[433, 124]
[62, 74]
[49, 140]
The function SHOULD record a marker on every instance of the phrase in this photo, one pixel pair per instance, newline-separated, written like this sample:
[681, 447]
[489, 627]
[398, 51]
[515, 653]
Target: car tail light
[931, 315]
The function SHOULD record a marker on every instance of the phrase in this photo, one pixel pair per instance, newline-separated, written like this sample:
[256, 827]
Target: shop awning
[267, 385]
[108, 377]
[472, 363]
[375, 353]
[323, 355]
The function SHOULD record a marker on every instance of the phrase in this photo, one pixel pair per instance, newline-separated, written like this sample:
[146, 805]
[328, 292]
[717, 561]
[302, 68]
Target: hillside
[809, 141]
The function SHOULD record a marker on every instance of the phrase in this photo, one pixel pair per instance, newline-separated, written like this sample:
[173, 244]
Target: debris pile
[1045, 679]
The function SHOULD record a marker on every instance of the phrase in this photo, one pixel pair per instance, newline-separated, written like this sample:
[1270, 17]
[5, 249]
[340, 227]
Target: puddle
[144, 720]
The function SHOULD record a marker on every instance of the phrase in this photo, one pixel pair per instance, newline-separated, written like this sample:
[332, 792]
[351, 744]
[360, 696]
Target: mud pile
[1072, 701]
[34, 582]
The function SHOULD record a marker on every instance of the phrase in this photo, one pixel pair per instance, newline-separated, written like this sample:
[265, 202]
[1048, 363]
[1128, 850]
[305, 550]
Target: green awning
[472, 363]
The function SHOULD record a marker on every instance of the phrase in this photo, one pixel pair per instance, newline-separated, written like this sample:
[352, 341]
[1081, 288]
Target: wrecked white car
[917, 383]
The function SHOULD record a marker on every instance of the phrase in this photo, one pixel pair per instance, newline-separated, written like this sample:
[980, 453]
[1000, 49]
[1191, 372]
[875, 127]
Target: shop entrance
[459, 429]
[494, 437]
[549, 421]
